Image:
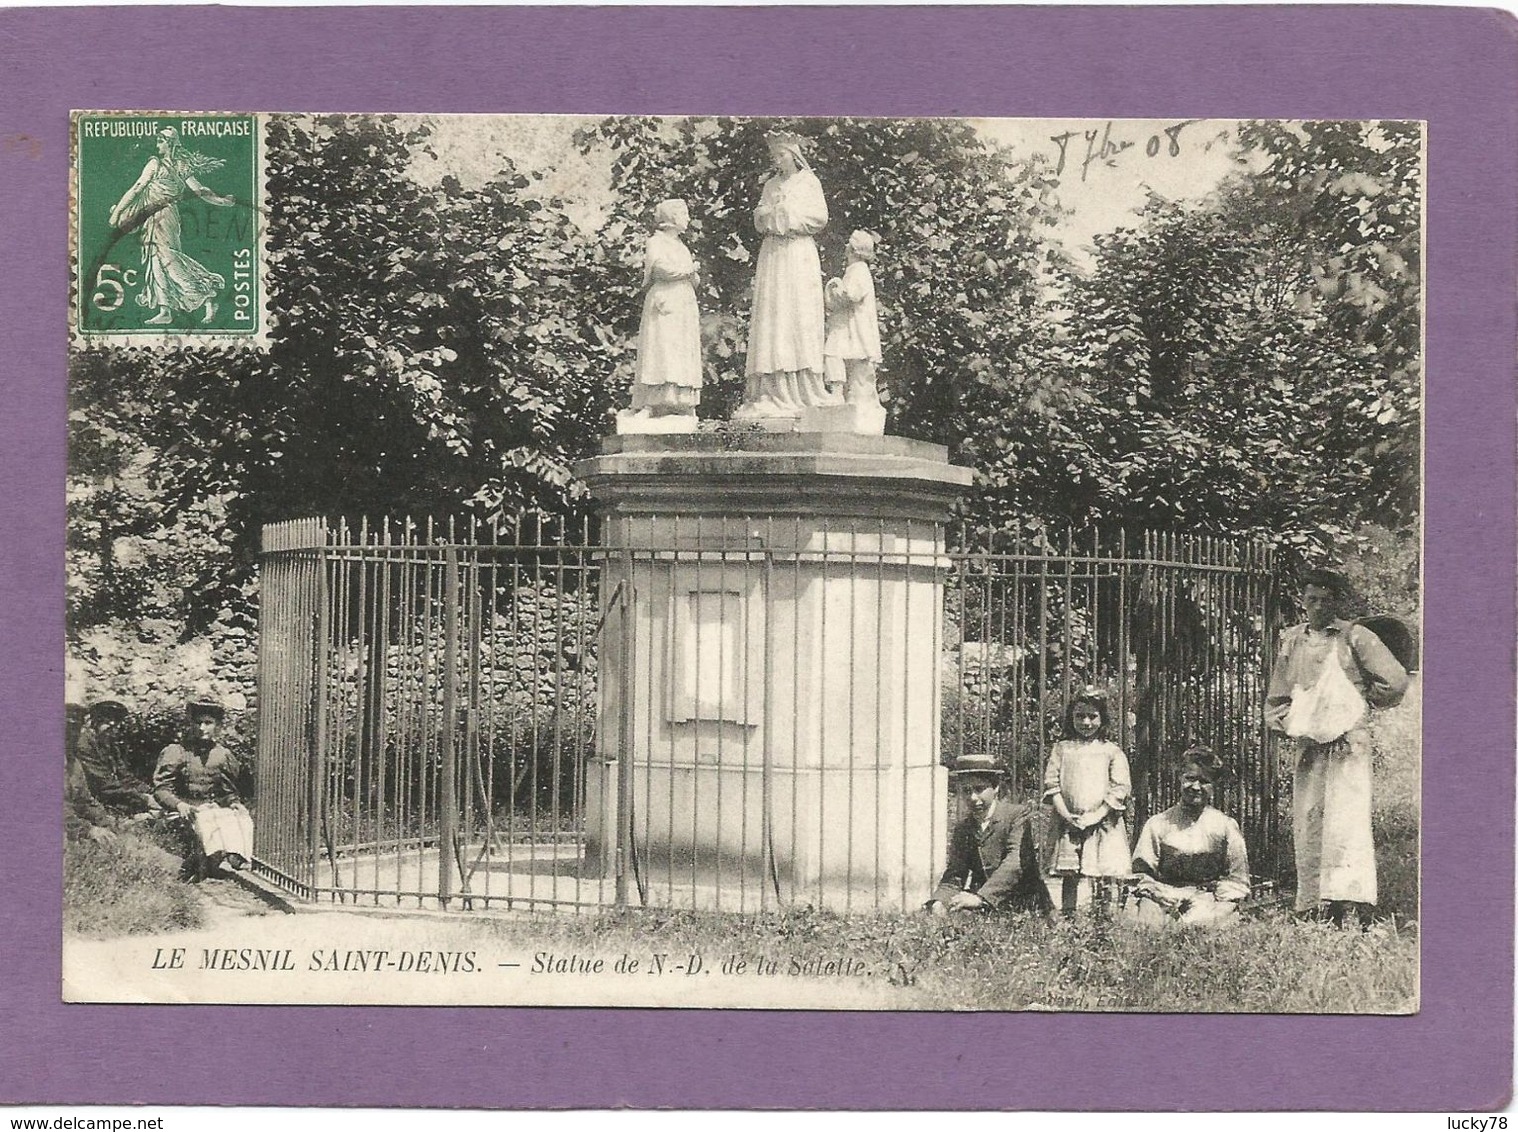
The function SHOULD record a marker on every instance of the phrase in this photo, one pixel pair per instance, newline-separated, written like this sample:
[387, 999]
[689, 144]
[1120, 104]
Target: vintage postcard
[839, 568]
[805, 563]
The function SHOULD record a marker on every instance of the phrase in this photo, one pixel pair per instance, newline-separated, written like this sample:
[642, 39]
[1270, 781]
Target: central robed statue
[812, 350]
[785, 368]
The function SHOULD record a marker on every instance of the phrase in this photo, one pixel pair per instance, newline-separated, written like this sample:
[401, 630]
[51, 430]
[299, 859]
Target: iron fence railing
[566, 715]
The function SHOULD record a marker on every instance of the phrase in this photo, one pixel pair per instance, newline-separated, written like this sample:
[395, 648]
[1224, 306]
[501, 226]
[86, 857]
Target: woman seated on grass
[993, 854]
[1191, 862]
[198, 782]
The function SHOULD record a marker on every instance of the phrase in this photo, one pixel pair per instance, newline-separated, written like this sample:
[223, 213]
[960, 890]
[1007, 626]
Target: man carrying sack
[1326, 676]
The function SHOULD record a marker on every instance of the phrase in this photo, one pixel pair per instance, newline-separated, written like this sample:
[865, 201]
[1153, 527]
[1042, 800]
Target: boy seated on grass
[993, 854]
[99, 750]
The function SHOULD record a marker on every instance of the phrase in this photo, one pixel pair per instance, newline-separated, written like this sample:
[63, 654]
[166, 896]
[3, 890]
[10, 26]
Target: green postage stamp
[167, 229]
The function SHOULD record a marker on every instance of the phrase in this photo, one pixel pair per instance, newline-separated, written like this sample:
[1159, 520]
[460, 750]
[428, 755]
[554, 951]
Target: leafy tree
[438, 345]
[1346, 200]
[432, 349]
[1247, 365]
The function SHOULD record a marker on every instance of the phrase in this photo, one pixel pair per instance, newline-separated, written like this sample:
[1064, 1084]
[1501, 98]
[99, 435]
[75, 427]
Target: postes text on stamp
[167, 229]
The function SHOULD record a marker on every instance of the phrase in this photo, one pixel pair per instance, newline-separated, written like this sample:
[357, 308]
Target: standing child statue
[852, 349]
[667, 380]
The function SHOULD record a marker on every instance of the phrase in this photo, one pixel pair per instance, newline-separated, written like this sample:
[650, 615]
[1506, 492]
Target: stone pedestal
[770, 669]
[863, 418]
[631, 422]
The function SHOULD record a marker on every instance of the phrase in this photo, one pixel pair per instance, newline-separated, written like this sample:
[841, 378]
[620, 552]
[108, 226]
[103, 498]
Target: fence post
[318, 700]
[448, 800]
[289, 568]
[1270, 749]
[767, 765]
[624, 831]
[473, 635]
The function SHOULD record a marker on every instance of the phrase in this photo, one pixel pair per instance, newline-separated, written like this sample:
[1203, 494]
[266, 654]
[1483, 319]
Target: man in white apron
[198, 781]
[1313, 705]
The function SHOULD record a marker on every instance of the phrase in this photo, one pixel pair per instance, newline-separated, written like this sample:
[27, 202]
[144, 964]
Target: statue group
[812, 348]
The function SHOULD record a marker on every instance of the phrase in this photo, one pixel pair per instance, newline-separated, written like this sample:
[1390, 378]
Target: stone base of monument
[863, 420]
[630, 423]
[844, 839]
[770, 424]
[855, 419]
[769, 665]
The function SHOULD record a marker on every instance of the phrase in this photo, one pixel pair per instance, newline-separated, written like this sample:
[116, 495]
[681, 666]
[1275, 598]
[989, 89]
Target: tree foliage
[1249, 364]
[1246, 364]
[1345, 199]
[433, 349]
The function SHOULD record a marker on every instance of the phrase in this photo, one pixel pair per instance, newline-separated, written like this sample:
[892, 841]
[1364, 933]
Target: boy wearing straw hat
[993, 860]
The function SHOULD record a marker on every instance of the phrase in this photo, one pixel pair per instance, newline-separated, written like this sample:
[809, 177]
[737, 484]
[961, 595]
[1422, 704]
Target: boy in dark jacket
[106, 774]
[993, 854]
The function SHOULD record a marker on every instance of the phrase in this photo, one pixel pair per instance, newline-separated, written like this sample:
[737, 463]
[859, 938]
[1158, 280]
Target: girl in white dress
[1088, 783]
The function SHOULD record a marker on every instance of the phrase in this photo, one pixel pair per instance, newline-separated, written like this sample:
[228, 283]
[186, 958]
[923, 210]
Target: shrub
[1396, 756]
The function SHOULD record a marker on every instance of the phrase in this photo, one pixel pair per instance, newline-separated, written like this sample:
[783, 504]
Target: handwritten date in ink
[1101, 147]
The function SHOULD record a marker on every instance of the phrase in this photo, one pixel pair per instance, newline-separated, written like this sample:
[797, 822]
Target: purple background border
[1454, 67]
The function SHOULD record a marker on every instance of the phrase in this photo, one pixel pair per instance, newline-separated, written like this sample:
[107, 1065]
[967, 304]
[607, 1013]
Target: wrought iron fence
[1176, 631]
[556, 715]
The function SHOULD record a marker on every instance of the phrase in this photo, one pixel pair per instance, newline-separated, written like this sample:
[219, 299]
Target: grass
[127, 886]
[1273, 964]
[1270, 963]
[1396, 735]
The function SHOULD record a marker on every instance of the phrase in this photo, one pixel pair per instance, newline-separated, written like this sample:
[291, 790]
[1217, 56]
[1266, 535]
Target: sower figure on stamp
[171, 280]
[198, 782]
[993, 853]
[1327, 671]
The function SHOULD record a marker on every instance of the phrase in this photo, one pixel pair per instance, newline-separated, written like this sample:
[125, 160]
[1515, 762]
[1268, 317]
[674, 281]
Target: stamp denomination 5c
[167, 229]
